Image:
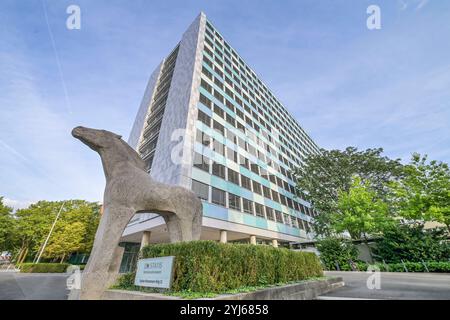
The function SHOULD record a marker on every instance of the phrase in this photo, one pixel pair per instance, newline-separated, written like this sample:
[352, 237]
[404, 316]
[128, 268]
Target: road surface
[393, 285]
[20, 286]
[33, 286]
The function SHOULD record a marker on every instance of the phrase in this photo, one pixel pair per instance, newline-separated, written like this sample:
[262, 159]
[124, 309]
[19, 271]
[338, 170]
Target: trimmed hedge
[208, 266]
[43, 267]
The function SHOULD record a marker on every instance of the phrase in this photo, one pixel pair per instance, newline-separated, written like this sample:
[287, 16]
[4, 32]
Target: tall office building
[207, 122]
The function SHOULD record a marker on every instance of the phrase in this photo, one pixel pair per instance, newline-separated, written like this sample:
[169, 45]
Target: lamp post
[49, 234]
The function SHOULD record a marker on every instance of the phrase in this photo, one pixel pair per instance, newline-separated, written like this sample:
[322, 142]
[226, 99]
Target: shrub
[207, 266]
[335, 250]
[43, 267]
[413, 243]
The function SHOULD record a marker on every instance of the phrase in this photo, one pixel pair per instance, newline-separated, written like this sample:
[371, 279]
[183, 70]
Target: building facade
[208, 123]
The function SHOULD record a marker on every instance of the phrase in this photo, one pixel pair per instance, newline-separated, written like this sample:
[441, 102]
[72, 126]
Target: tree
[73, 232]
[324, 174]
[6, 226]
[359, 212]
[424, 192]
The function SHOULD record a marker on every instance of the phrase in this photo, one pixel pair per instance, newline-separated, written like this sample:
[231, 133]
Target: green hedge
[433, 266]
[43, 267]
[207, 266]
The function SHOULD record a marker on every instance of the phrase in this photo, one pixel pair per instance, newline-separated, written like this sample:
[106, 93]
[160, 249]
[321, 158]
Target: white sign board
[155, 272]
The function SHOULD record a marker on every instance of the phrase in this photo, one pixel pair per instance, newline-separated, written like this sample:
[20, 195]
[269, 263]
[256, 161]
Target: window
[234, 202]
[218, 127]
[218, 110]
[218, 83]
[267, 192]
[218, 170]
[219, 148]
[231, 136]
[278, 216]
[240, 126]
[269, 214]
[272, 178]
[290, 203]
[300, 223]
[205, 85]
[201, 162]
[200, 189]
[203, 138]
[243, 161]
[255, 168]
[231, 154]
[257, 187]
[247, 205]
[218, 96]
[218, 197]
[233, 176]
[205, 101]
[307, 226]
[240, 113]
[252, 151]
[203, 117]
[242, 143]
[231, 120]
[283, 200]
[259, 210]
[246, 182]
[287, 219]
[206, 72]
[275, 196]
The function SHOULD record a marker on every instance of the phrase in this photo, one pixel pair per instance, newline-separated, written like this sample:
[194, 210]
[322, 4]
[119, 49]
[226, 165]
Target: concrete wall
[180, 111]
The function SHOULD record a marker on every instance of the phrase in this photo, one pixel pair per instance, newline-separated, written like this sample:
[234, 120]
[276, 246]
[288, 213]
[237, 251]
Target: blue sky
[345, 84]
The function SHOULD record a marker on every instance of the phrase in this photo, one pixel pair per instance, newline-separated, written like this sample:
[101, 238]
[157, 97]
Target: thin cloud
[422, 4]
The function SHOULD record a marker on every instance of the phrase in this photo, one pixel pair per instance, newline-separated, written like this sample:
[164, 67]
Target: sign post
[155, 272]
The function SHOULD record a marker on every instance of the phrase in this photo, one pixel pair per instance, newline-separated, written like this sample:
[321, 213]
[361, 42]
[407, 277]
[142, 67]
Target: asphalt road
[23, 286]
[398, 286]
[33, 286]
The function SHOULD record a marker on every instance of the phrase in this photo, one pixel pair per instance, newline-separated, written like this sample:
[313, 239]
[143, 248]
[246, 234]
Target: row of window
[232, 201]
[204, 163]
[294, 152]
[154, 119]
[249, 147]
[241, 69]
[238, 125]
[285, 120]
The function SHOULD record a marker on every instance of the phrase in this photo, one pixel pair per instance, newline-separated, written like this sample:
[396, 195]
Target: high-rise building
[207, 122]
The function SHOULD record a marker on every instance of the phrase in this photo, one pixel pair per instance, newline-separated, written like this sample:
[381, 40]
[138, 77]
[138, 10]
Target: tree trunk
[23, 256]
[62, 258]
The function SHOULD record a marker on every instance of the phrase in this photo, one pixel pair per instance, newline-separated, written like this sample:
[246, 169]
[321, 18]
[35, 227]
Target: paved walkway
[33, 286]
[393, 285]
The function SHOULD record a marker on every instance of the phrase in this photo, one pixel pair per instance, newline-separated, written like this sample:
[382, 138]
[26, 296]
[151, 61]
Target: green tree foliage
[6, 226]
[359, 212]
[336, 250]
[323, 175]
[424, 192]
[73, 232]
[413, 243]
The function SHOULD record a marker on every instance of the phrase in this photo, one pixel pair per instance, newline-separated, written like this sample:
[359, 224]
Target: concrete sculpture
[129, 190]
